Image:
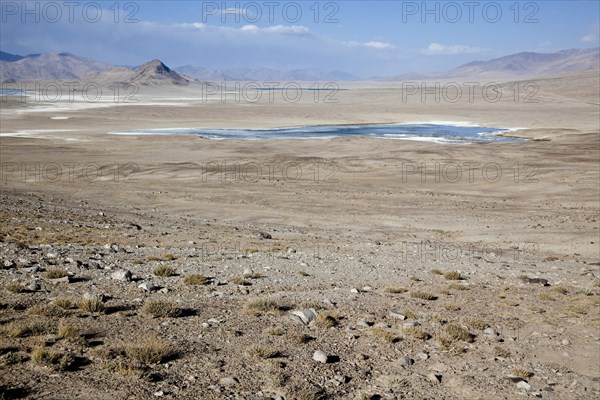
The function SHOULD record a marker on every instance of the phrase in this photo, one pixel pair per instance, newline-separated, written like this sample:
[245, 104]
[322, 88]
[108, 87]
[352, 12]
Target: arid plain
[434, 270]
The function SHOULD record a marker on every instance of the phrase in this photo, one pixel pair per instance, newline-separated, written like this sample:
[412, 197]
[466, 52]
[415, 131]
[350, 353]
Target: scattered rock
[406, 361]
[164, 290]
[354, 290]
[436, 378]
[64, 279]
[541, 281]
[523, 386]
[363, 324]
[228, 381]
[247, 273]
[265, 235]
[423, 356]
[397, 314]
[147, 286]
[122, 275]
[320, 356]
[303, 316]
[34, 287]
[566, 342]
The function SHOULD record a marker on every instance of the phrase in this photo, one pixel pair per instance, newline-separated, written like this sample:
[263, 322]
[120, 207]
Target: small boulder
[320, 356]
[122, 275]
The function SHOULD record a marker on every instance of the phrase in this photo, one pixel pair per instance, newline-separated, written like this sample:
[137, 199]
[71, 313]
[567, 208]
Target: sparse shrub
[410, 314]
[259, 305]
[22, 329]
[63, 303]
[578, 309]
[501, 352]
[523, 277]
[263, 352]
[52, 358]
[196, 279]
[560, 289]
[94, 305]
[395, 289]
[55, 273]
[326, 321]
[15, 288]
[66, 331]
[150, 350]
[303, 273]
[385, 334]
[240, 281]
[299, 338]
[458, 286]
[453, 276]
[415, 279]
[168, 257]
[47, 310]
[476, 323]
[163, 271]
[422, 295]
[522, 373]
[457, 332]
[452, 307]
[558, 368]
[546, 297]
[276, 331]
[161, 308]
[436, 272]
[417, 333]
[597, 283]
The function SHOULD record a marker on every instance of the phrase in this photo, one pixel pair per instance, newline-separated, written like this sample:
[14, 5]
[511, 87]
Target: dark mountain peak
[155, 66]
[10, 57]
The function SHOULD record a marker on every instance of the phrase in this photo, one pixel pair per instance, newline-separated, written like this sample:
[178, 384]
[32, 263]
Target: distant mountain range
[48, 66]
[264, 74]
[61, 66]
[152, 73]
[520, 65]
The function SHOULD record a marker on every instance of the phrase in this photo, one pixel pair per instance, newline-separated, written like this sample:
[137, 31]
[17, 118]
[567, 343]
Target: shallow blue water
[422, 132]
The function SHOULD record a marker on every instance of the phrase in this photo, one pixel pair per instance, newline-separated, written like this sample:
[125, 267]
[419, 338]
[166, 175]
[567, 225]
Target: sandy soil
[360, 229]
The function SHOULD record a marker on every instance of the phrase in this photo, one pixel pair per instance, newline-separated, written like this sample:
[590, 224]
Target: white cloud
[438, 49]
[593, 36]
[374, 44]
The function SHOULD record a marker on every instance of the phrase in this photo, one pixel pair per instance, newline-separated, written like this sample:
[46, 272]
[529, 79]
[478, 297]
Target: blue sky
[365, 38]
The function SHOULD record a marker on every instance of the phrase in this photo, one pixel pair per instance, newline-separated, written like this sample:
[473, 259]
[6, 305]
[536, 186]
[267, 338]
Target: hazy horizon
[365, 39]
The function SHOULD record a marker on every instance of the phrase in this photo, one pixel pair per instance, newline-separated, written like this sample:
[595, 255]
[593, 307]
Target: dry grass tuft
[299, 338]
[196, 280]
[395, 289]
[163, 271]
[453, 276]
[422, 295]
[263, 352]
[21, 329]
[63, 303]
[52, 358]
[560, 289]
[66, 331]
[55, 273]
[385, 334]
[15, 288]
[256, 306]
[326, 320]
[240, 281]
[522, 373]
[546, 297]
[94, 305]
[161, 308]
[417, 333]
[476, 323]
[458, 286]
[150, 350]
[501, 352]
[47, 310]
[457, 332]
